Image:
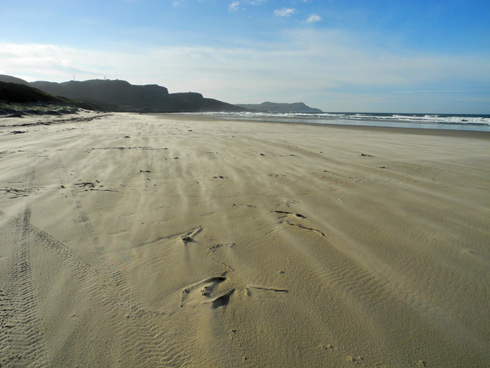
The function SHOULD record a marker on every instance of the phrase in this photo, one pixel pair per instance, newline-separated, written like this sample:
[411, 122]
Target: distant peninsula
[274, 107]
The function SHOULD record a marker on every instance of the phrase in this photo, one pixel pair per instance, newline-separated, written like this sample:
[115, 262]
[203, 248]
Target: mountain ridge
[122, 96]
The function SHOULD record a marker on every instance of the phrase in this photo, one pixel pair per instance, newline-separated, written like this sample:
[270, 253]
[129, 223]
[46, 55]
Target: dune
[181, 241]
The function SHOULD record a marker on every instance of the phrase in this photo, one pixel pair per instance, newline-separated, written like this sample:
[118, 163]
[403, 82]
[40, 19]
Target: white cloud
[284, 12]
[326, 69]
[48, 62]
[314, 18]
[234, 6]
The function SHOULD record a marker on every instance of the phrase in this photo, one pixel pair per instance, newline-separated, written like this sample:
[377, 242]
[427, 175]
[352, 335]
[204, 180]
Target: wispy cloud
[284, 12]
[234, 6]
[314, 18]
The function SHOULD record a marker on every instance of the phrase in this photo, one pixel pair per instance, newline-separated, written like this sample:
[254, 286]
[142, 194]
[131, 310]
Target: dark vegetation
[21, 93]
[17, 99]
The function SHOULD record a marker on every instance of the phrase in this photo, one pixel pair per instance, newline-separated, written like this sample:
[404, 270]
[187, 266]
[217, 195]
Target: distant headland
[274, 107]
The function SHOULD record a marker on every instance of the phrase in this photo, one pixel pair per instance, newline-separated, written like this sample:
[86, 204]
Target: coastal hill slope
[119, 95]
[275, 107]
[22, 93]
[10, 79]
[20, 98]
[112, 95]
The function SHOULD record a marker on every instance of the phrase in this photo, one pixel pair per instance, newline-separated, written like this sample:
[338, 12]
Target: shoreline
[28, 120]
[411, 130]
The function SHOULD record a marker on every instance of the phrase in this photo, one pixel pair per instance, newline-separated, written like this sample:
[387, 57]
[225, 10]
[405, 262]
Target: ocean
[424, 121]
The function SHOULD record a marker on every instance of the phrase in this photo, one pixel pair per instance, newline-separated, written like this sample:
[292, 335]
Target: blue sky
[337, 55]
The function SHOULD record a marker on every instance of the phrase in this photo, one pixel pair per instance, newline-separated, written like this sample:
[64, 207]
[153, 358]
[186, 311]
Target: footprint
[297, 215]
[291, 213]
[356, 360]
[234, 205]
[289, 203]
[202, 292]
[222, 300]
[215, 247]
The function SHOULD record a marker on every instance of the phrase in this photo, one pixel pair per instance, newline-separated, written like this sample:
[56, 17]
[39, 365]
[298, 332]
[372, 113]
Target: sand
[177, 241]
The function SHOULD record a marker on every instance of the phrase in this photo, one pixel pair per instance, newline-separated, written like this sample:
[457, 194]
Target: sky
[412, 56]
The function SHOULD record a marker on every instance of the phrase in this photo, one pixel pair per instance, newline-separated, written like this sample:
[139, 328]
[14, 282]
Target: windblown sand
[179, 241]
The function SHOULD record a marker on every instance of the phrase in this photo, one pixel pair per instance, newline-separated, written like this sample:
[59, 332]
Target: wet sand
[178, 241]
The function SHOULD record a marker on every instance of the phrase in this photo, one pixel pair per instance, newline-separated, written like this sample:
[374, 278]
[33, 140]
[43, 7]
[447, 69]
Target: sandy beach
[180, 241]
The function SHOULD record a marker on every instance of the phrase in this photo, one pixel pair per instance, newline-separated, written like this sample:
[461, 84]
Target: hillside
[10, 79]
[19, 99]
[112, 95]
[21, 93]
[118, 95]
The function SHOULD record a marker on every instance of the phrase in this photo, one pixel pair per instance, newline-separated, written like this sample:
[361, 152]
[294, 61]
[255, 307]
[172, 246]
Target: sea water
[425, 121]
